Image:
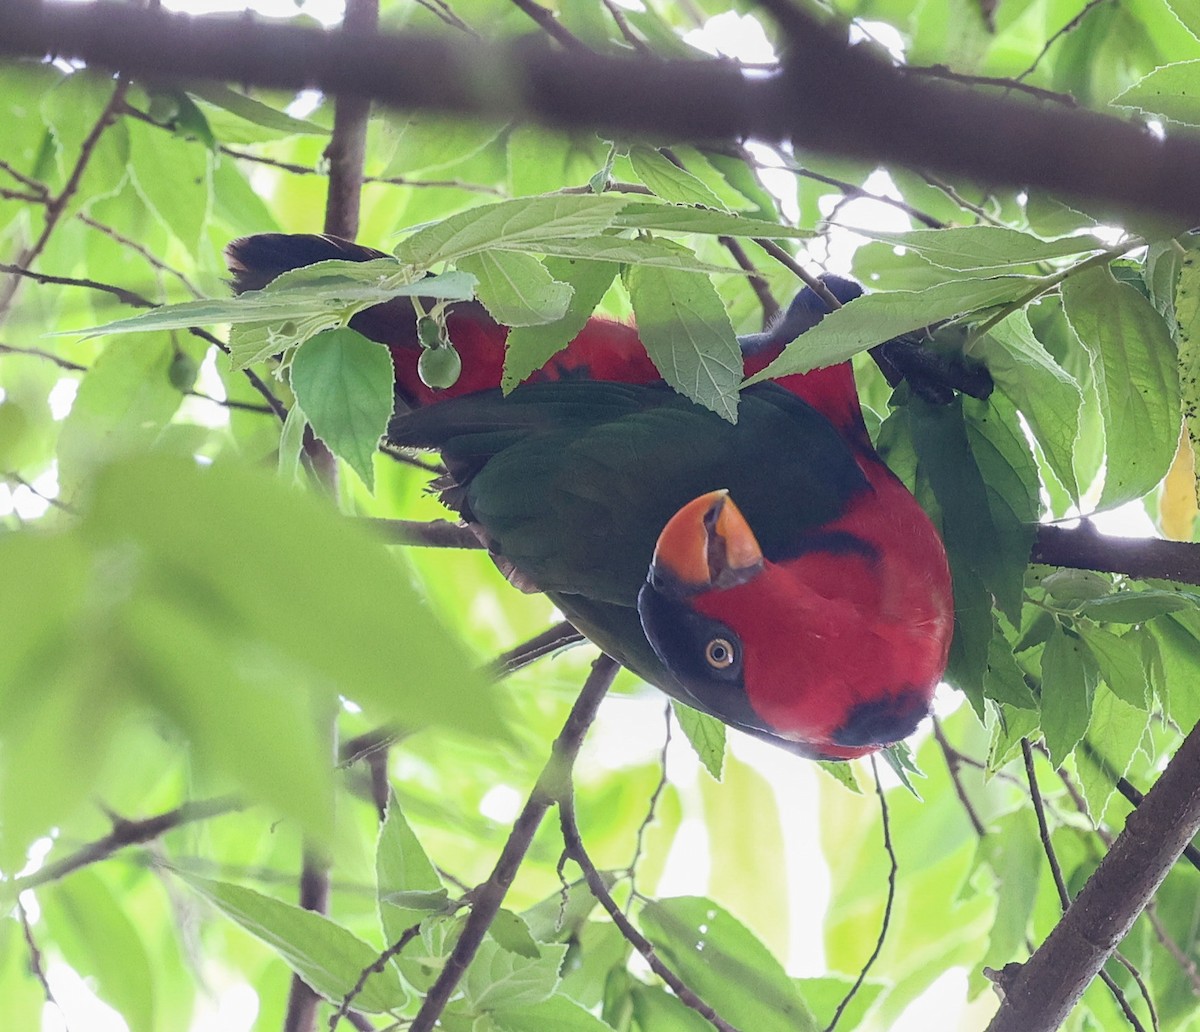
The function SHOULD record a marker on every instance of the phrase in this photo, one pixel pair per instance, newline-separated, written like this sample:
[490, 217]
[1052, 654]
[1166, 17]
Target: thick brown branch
[1039, 996]
[830, 96]
[1082, 548]
[488, 896]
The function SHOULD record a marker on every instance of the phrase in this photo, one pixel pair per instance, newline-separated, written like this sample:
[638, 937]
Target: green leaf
[670, 182]
[428, 141]
[1168, 92]
[1133, 358]
[1067, 687]
[1010, 478]
[531, 347]
[512, 225]
[344, 384]
[656, 1009]
[706, 735]
[842, 773]
[872, 319]
[682, 321]
[251, 110]
[1005, 681]
[327, 294]
[517, 289]
[1178, 638]
[101, 942]
[122, 406]
[402, 869]
[672, 218]
[1012, 850]
[1186, 297]
[556, 1014]
[1046, 394]
[1106, 754]
[1119, 660]
[328, 957]
[557, 920]
[725, 965]
[825, 994]
[1134, 607]
[658, 254]
[500, 978]
[972, 248]
[262, 562]
[174, 177]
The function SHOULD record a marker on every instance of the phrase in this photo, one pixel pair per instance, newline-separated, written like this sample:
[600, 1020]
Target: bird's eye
[719, 653]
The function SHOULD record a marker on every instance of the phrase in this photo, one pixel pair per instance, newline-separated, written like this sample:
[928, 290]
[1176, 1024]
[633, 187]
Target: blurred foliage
[179, 624]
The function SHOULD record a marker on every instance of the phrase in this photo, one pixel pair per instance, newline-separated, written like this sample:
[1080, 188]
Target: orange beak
[707, 545]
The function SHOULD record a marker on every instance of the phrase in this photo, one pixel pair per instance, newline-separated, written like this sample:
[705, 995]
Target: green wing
[574, 480]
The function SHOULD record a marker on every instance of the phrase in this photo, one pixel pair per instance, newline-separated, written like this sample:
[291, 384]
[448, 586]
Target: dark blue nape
[805, 311]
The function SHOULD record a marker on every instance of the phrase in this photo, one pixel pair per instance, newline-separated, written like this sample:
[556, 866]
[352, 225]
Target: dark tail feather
[256, 260]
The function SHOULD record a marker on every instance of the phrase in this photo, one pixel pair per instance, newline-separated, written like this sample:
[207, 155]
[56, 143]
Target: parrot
[772, 573]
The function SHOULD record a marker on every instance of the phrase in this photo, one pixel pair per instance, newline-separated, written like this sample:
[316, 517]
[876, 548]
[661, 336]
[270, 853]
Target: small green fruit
[429, 332]
[439, 368]
[183, 372]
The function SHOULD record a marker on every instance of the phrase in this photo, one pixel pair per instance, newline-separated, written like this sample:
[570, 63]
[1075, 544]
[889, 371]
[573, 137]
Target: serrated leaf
[1178, 639]
[1133, 607]
[174, 178]
[1134, 361]
[517, 289]
[557, 1014]
[512, 225]
[330, 291]
[408, 884]
[344, 384]
[1046, 394]
[658, 254]
[1187, 333]
[528, 348]
[874, 318]
[1005, 681]
[686, 330]
[1168, 92]
[842, 773]
[706, 735]
[1113, 740]
[670, 182]
[725, 965]
[1119, 661]
[328, 957]
[972, 248]
[673, 218]
[1067, 687]
[498, 977]
[1012, 850]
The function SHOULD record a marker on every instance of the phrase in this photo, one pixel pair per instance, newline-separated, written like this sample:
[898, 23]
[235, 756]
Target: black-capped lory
[773, 573]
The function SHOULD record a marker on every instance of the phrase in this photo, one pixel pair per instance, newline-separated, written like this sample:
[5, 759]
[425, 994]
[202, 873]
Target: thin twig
[1069, 27]
[624, 28]
[941, 71]
[760, 286]
[559, 636]
[36, 185]
[145, 252]
[893, 868]
[548, 21]
[811, 281]
[49, 356]
[37, 964]
[57, 204]
[489, 895]
[954, 760]
[381, 962]
[426, 534]
[652, 809]
[128, 833]
[575, 849]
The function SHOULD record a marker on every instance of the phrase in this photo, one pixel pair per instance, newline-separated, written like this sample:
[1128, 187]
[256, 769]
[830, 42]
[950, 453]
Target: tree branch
[488, 896]
[576, 851]
[128, 833]
[1083, 548]
[1040, 995]
[829, 95]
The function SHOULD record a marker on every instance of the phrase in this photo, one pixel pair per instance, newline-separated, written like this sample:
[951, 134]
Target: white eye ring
[720, 654]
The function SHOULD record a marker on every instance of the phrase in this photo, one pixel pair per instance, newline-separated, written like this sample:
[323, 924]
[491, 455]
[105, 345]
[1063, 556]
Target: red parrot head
[784, 647]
